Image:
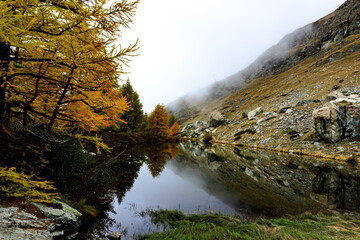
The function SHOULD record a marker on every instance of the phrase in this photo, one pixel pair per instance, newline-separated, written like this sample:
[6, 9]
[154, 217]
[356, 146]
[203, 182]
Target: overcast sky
[186, 45]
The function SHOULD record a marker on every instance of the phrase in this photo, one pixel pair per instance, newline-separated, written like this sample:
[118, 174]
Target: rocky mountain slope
[288, 82]
[291, 50]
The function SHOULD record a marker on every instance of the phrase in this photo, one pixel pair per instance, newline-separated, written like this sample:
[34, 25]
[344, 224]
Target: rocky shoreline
[327, 128]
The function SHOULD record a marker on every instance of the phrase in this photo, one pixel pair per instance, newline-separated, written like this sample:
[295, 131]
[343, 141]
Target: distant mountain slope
[314, 40]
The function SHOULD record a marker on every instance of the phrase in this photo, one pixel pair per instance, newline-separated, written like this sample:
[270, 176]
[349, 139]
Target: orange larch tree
[174, 133]
[158, 128]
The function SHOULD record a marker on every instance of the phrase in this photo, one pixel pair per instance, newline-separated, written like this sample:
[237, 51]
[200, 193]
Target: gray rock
[305, 102]
[199, 124]
[329, 122]
[240, 132]
[59, 223]
[338, 120]
[67, 216]
[252, 114]
[249, 172]
[114, 236]
[187, 128]
[286, 183]
[216, 119]
[260, 121]
[334, 95]
[283, 110]
[265, 141]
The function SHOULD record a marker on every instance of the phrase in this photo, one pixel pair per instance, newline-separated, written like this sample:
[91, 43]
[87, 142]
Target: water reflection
[157, 156]
[338, 187]
[195, 178]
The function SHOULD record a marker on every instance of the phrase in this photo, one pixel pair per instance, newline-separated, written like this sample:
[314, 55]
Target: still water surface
[228, 180]
[172, 189]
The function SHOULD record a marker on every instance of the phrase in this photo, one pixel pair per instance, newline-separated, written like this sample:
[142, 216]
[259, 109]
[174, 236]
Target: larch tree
[59, 64]
[158, 128]
[174, 132]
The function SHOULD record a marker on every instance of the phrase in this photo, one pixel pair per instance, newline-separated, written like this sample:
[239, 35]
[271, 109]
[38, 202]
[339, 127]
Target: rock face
[59, 223]
[338, 119]
[216, 119]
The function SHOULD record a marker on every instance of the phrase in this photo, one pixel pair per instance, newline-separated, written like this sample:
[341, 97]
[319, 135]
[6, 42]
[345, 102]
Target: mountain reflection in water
[229, 180]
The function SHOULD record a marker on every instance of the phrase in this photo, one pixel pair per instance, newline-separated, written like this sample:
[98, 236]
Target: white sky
[186, 45]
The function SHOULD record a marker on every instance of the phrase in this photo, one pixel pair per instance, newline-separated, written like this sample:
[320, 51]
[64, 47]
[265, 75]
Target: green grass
[216, 226]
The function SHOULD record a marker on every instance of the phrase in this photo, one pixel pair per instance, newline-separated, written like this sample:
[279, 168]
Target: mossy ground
[216, 226]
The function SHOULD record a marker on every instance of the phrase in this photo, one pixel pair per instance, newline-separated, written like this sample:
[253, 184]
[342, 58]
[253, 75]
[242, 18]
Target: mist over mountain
[291, 50]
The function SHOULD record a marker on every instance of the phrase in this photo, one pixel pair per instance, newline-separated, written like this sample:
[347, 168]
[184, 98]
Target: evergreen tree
[158, 125]
[172, 120]
[135, 117]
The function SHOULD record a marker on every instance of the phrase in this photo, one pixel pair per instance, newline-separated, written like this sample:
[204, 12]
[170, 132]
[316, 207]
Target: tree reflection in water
[158, 155]
[121, 175]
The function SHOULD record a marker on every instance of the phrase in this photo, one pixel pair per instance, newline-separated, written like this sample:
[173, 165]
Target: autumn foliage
[158, 128]
[15, 184]
[59, 63]
[174, 131]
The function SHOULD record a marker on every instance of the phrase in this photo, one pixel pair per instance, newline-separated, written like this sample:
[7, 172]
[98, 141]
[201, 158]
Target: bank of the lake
[217, 226]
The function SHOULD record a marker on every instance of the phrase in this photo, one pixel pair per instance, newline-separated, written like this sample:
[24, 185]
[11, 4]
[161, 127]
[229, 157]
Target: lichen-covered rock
[18, 224]
[59, 223]
[338, 119]
[353, 121]
[67, 218]
[216, 119]
[329, 122]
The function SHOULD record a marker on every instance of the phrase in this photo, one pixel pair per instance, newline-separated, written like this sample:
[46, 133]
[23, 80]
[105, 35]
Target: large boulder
[216, 119]
[353, 121]
[338, 119]
[56, 223]
[334, 95]
[330, 122]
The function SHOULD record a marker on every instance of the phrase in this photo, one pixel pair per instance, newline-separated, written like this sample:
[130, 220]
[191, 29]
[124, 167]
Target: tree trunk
[4, 63]
[60, 101]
